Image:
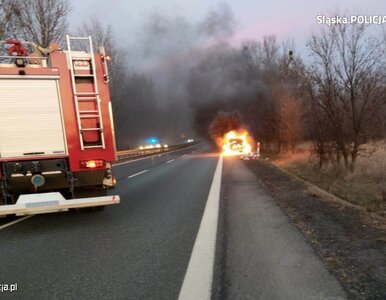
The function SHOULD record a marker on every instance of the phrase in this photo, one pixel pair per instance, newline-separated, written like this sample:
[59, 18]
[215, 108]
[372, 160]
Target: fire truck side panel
[31, 121]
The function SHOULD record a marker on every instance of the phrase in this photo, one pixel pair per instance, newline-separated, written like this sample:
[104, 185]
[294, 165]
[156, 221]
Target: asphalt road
[138, 249]
[260, 254]
[141, 248]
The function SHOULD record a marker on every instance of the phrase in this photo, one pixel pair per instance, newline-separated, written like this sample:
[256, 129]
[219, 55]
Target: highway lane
[138, 249]
[124, 169]
[141, 248]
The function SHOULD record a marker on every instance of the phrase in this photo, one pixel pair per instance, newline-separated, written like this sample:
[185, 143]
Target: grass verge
[365, 187]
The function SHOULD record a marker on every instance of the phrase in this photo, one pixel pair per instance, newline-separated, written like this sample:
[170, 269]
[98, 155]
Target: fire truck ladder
[86, 97]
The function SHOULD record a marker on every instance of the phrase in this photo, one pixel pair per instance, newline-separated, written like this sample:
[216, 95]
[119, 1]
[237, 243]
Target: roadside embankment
[350, 240]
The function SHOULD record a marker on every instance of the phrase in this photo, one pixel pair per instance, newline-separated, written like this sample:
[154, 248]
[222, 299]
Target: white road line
[16, 221]
[169, 161]
[185, 155]
[150, 156]
[199, 275]
[136, 174]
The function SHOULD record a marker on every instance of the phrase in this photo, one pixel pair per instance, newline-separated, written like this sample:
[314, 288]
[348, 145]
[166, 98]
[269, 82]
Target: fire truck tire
[1, 203]
[8, 199]
[7, 217]
[90, 192]
[98, 208]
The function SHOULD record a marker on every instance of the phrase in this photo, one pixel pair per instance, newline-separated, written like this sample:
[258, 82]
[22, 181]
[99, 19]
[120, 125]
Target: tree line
[335, 98]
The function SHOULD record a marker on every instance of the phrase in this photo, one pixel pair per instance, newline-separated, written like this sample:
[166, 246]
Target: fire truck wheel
[9, 199]
[98, 208]
[2, 203]
[88, 193]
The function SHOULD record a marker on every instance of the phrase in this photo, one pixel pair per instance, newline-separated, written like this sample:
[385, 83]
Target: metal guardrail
[138, 153]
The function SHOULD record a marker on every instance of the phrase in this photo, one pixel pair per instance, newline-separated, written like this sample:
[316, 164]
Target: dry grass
[366, 186]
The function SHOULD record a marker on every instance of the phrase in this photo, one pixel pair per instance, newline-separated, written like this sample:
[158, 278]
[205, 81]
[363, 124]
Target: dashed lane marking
[16, 221]
[136, 174]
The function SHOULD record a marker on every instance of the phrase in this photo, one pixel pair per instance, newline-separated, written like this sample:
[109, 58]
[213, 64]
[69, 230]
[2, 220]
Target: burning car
[236, 143]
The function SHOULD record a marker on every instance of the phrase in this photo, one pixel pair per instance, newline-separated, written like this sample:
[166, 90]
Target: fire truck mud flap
[40, 203]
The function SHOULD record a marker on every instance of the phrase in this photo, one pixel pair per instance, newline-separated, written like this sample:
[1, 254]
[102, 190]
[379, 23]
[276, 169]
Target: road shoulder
[263, 255]
[348, 239]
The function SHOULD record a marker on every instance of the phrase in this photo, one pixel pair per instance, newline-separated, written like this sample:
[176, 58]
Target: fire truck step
[86, 58]
[89, 147]
[87, 99]
[89, 116]
[79, 38]
[85, 93]
[84, 75]
[89, 111]
[91, 129]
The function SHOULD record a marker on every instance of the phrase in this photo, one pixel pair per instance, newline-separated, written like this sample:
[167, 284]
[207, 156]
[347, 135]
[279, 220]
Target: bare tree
[251, 60]
[104, 35]
[43, 21]
[263, 54]
[347, 85]
[8, 11]
[290, 123]
[278, 115]
[269, 50]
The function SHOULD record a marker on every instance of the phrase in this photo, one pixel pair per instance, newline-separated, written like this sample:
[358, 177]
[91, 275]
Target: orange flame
[236, 143]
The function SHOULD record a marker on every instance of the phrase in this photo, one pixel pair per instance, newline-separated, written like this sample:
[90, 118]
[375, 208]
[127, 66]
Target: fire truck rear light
[91, 164]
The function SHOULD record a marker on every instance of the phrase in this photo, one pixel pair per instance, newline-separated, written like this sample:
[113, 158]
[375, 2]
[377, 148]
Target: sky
[295, 19]
[171, 41]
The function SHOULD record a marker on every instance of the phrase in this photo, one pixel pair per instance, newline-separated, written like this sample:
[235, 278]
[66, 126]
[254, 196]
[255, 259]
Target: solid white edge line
[136, 174]
[199, 274]
[16, 221]
[169, 161]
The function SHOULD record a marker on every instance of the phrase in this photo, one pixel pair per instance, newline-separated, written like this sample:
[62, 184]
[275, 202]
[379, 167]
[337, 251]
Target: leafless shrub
[42, 21]
[8, 11]
[345, 89]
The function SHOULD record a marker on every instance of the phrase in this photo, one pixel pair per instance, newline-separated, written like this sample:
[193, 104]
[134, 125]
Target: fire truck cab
[56, 130]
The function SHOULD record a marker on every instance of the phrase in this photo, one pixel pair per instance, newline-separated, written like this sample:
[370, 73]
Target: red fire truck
[56, 129]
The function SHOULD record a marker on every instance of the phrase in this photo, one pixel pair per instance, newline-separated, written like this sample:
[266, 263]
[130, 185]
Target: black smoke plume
[190, 74]
[223, 123]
